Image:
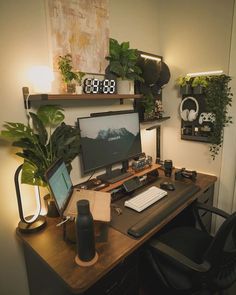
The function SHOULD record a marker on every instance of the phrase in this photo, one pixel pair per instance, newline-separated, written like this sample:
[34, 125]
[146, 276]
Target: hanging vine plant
[218, 99]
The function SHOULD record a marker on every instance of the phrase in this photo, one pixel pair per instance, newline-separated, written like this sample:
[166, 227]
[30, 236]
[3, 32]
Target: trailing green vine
[218, 98]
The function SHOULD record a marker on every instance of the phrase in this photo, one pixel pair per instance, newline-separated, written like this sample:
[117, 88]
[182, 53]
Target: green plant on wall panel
[200, 81]
[183, 81]
[218, 99]
[47, 140]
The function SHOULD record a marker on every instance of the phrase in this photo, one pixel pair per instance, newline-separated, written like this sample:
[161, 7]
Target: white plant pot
[125, 87]
[79, 89]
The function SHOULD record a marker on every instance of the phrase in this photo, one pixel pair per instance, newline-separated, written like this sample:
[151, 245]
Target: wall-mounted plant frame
[155, 74]
[214, 102]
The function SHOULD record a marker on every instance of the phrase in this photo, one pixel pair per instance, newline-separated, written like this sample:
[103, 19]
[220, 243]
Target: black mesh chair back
[189, 260]
[221, 254]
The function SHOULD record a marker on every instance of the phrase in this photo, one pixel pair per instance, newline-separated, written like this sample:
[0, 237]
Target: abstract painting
[80, 28]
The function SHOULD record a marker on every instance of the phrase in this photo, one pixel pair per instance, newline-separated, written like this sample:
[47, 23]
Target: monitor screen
[109, 139]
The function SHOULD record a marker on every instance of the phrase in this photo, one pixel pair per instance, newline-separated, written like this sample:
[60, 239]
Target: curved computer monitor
[107, 140]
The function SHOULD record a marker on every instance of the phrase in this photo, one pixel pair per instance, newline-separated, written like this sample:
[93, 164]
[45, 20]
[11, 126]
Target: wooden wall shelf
[81, 96]
[44, 97]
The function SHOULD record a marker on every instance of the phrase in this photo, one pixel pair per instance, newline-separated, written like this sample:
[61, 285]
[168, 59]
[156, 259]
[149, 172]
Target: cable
[90, 176]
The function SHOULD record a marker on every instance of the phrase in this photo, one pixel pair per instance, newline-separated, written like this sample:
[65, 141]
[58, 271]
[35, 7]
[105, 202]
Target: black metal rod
[18, 194]
[158, 142]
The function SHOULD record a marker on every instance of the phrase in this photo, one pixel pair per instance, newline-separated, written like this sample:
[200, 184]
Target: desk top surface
[60, 255]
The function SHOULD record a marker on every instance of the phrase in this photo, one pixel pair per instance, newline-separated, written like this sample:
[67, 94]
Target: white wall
[194, 37]
[227, 193]
[191, 35]
[24, 44]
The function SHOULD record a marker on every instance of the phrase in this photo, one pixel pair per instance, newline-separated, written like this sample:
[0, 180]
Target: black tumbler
[168, 165]
[85, 232]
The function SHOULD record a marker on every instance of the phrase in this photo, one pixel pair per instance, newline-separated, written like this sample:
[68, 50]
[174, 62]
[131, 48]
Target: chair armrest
[206, 207]
[179, 258]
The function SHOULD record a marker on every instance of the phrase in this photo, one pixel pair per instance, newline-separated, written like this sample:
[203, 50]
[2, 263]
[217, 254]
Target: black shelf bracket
[25, 91]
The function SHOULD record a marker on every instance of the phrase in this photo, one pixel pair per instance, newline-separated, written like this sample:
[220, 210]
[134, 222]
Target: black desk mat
[159, 210]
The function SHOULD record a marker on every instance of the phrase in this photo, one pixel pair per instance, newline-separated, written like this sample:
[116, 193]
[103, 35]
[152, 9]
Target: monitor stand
[112, 176]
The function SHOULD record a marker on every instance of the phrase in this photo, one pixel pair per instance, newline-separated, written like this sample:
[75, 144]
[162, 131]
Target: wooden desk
[47, 254]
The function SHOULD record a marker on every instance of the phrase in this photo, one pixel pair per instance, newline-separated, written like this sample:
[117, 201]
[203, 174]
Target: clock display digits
[88, 85]
[95, 87]
[106, 86]
[112, 86]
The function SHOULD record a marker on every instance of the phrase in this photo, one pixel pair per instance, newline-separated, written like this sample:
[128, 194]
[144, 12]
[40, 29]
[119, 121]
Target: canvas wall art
[81, 28]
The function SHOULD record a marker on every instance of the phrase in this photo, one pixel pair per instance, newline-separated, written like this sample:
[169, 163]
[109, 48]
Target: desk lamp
[32, 223]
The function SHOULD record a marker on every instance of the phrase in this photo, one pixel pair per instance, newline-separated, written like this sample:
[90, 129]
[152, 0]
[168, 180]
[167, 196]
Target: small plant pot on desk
[50, 206]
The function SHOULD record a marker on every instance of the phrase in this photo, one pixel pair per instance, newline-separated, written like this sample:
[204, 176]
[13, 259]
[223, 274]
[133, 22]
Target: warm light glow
[41, 78]
[38, 206]
[151, 57]
[209, 73]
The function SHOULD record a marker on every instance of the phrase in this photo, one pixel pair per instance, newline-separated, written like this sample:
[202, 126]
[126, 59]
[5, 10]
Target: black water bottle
[85, 232]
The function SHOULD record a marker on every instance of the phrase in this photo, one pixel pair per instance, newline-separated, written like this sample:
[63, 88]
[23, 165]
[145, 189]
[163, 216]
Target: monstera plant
[43, 141]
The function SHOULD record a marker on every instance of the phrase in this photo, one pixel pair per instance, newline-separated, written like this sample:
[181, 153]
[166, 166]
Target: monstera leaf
[40, 145]
[50, 115]
[30, 175]
[16, 131]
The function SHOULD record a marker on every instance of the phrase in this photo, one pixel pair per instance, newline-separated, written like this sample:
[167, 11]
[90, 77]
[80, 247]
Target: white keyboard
[145, 199]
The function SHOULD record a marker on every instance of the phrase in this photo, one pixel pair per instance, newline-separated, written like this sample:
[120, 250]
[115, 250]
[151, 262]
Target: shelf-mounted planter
[198, 89]
[186, 89]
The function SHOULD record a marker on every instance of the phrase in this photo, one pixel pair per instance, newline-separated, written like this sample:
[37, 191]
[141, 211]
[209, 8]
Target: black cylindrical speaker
[168, 165]
[85, 232]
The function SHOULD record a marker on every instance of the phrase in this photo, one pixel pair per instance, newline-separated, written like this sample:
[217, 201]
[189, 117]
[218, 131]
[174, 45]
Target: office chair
[189, 260]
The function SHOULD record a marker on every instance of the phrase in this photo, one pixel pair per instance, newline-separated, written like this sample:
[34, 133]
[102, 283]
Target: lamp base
[35, 226]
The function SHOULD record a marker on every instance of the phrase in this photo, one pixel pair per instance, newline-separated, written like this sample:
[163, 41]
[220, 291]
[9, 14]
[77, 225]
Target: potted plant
[184, 82]
[199, 84]
[218, 99]
[69, 77]
[150, 73]
[149, 106]
[123, 63]
[79, 79]
[47, 140]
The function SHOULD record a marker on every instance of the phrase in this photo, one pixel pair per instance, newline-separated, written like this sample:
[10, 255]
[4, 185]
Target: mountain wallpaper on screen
[113, 134]
[109, 146]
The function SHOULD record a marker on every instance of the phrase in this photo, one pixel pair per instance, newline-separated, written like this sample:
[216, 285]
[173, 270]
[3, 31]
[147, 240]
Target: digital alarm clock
[99, 86]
